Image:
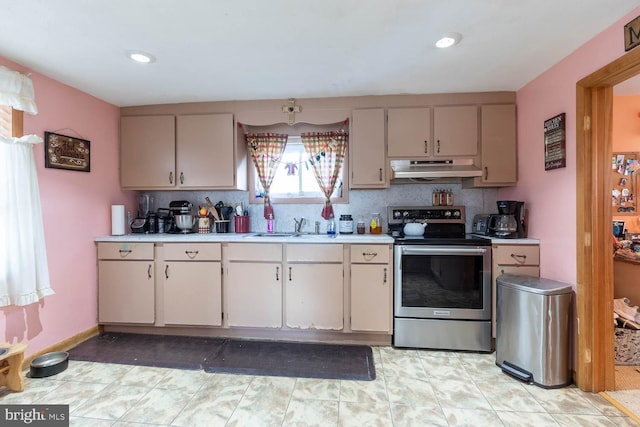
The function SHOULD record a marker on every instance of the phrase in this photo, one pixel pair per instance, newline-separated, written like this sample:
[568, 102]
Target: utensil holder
[241, 223]
[222, 226]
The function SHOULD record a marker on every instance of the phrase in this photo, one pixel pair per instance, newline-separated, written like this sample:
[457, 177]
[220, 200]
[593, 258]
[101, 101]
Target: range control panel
[430, 214]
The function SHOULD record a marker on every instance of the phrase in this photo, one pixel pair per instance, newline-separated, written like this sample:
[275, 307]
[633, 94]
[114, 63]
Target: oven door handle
[435, 250]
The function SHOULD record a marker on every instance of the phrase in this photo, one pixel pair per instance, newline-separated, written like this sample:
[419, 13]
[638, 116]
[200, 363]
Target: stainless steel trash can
[532, 329]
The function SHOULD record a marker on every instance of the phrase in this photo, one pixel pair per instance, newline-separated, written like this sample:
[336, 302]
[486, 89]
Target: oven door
[442, 282]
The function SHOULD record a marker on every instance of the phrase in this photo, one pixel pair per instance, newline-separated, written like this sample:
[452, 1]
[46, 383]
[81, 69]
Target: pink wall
[551, 195]
[76, 208]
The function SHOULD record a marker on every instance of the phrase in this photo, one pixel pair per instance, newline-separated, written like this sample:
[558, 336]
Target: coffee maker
[509, 223]
[143, 222]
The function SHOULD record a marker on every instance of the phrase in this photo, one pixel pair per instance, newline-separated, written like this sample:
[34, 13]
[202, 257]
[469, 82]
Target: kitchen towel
[117, 220]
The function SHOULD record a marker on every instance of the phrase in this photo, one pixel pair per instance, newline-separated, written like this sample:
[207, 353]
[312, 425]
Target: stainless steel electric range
[442, 281]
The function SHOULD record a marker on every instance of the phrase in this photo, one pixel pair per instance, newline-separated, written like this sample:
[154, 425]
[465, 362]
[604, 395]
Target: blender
[141, 224]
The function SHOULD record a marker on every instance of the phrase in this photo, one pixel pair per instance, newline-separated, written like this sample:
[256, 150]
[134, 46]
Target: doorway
[595, 370]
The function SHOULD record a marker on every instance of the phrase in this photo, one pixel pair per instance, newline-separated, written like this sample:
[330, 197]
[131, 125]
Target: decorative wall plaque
[555, 141]
[66, 152]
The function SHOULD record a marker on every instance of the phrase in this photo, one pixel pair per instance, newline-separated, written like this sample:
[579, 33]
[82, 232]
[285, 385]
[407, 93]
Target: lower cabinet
[371, 288]
[522, 260]
[253, 285]
[192, 284]
[314, 286]
[126, 290]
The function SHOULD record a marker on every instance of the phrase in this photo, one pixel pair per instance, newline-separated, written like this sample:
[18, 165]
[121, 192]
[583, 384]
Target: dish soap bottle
[270, 224]
[331, 226]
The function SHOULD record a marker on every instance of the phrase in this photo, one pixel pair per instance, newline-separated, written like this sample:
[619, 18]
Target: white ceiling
[210, 50]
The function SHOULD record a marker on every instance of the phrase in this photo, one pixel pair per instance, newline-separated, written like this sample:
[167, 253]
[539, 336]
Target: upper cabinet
[185, 152]
[368, 163]
[409, 132]
[147, 152]
[204, 154]
[454, 128]
[455, 131]
[498, 158]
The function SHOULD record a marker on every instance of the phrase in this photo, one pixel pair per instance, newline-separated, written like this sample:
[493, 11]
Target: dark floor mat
[147, 350]
[306, 360]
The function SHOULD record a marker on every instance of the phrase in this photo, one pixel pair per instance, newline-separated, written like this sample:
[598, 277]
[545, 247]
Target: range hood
[434, 169]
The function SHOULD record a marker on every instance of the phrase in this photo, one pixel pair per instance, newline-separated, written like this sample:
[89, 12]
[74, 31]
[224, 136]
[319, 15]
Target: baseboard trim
[64, 345]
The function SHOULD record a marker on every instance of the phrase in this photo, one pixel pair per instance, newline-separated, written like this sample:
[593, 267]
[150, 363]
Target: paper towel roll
[117, 220]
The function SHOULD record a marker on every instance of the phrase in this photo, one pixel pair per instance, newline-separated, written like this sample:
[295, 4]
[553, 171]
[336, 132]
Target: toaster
[481, 224]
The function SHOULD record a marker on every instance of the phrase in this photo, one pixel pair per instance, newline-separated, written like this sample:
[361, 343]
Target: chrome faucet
[299, 224]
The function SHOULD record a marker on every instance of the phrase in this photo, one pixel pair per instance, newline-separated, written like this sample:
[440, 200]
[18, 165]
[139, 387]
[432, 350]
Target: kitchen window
[295, 181]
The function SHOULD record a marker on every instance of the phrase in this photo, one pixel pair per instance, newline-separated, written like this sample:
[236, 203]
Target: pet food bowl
[49, 364]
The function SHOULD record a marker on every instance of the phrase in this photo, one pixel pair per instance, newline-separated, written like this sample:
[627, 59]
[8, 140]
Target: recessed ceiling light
[449, 40]
[140, 56]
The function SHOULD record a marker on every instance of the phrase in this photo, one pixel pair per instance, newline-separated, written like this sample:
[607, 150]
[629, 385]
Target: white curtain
[16, 90]
[24, 271]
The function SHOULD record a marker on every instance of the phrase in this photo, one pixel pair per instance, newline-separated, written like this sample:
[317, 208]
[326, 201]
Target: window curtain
[266, 151]
[24, 272]
[326, 151]
[16, 90]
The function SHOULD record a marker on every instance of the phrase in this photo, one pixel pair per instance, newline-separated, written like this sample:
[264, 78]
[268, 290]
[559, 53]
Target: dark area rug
[220, 355]
[160, 351]
[287, 359]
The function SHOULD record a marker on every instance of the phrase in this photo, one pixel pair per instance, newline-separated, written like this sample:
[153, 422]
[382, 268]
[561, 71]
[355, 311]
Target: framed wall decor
[66, 152]
[555, 142]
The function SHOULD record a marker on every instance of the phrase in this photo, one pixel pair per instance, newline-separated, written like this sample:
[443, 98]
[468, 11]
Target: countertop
[496, 241]
[247, 238]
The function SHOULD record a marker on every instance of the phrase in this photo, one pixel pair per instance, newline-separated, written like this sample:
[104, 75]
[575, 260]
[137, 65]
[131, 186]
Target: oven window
[442, 281]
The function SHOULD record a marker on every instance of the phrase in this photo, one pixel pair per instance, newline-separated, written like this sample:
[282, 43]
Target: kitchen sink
[291, 234]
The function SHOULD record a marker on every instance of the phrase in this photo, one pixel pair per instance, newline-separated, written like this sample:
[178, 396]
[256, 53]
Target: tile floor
[412, 388]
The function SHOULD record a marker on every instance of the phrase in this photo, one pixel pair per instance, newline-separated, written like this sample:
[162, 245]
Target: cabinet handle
[170, 177]
[289, 273]
[166, 271]
[486, 172]
[384, 280]
[181, 178]
[192, 254]
[124, 253]
[277, 273]
[369, 254]
[519, 258]
[426, 146]
[149, 271]
[438, 146]
[380, 175]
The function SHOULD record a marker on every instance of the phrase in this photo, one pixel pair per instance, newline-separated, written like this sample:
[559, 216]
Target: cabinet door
[126, 292]
[455, 131]
[314, 296]
[192, 293]
[205, 154]
[371, 297]
[367, 150]
[147, 152]
[253, 294]
[498, 145]
[408, 132]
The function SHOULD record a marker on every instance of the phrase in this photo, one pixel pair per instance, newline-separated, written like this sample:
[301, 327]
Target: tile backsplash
[361, 204]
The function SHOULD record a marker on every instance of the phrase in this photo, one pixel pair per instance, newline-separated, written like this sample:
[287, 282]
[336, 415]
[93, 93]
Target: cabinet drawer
[254, 252]
[120, 251]
[192, 252]
[516, 254]
[370, 254]
[522, 271]
[314, 253]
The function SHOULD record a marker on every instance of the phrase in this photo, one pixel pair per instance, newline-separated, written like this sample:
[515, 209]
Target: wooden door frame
[595, 370]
